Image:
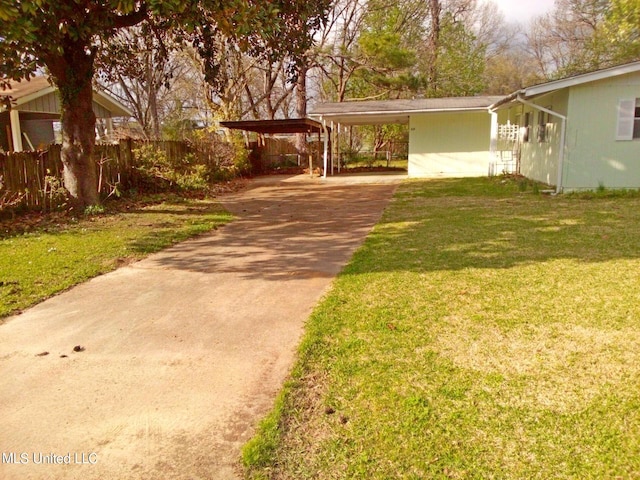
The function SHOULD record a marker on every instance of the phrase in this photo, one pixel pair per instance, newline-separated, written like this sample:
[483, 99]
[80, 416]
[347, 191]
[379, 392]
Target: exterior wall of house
[594, 155]
[46, 103]
[449, 144]
[538, 151]
[49, 104]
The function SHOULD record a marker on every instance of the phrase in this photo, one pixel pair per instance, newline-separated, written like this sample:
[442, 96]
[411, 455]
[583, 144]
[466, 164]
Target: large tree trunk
[301, 112]
[152, 94]
[435, 9]
[72, 73]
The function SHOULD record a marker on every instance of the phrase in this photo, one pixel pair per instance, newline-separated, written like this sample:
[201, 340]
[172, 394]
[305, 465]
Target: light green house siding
[539, 154]
[594, 156]
[449, 144]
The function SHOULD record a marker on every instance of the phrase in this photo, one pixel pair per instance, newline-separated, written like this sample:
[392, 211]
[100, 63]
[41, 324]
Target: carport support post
[338, 146]
[333, 133]
[310, 154]
[326, 148]
[339, 155]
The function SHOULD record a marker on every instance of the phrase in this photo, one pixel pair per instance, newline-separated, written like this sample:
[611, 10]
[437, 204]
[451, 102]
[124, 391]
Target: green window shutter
[626, 113]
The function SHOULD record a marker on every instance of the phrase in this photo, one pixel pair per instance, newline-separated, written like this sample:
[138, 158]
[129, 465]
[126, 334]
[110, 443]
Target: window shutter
[626, 112]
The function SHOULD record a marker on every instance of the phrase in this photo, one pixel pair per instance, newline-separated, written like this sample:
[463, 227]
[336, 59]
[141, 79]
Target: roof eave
[22, 100]
[391, 113]
[505, 101]
[580, 79]
[116, 108]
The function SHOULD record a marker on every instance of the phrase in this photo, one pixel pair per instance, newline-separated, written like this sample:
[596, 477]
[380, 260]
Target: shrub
[8, 200]
[155, 172]
[55, 195]
[195, 171]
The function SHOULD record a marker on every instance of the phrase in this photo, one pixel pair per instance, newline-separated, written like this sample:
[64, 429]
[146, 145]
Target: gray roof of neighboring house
[25, 91]
[397, 111]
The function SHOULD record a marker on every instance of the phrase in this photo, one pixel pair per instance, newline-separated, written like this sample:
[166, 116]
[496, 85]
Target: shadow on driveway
[183, 352]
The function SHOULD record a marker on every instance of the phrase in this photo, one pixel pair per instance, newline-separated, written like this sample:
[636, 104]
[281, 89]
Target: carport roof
[396, 111]
[290, 125]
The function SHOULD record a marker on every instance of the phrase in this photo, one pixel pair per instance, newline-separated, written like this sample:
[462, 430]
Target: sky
[523, 10]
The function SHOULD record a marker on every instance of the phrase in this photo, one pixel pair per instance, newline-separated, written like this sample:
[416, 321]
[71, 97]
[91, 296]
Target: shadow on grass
[447, 226]
[311, 230]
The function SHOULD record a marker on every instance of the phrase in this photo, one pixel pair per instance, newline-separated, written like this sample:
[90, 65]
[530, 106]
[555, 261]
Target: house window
[526, 128]
[543, 118]
[628, 119]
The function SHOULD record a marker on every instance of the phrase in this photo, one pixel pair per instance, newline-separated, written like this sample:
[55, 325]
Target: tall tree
[621, 31]
[337, 49]
[568, 40]
[64, 36]
[142, 77]
[459, 60]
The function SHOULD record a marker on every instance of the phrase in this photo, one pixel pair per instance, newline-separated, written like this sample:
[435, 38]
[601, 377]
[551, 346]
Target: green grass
[43, 262]
[381, 161]
[483, 331]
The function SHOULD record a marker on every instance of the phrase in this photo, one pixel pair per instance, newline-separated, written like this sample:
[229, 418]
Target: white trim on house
[116, 108]
[581, 79]
[32, 96]
[549, 87]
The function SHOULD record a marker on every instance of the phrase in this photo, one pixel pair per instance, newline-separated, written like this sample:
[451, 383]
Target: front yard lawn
[47, 260]
[480, 332]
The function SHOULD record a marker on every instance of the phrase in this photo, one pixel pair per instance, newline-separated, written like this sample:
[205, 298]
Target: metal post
[326, 147]
[333, 133]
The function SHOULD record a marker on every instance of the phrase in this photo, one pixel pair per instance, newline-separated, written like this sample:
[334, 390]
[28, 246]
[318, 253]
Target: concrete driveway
[182, 353]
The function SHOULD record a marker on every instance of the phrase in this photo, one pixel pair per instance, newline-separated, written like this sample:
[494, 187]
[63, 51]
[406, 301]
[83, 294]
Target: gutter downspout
[493, 143]
[563, 134]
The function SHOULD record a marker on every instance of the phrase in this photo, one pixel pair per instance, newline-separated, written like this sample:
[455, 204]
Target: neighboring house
[448, 137]
[581, 132]
[29, 111]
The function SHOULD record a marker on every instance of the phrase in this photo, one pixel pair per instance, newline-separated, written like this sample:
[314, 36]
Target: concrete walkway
[185, 351]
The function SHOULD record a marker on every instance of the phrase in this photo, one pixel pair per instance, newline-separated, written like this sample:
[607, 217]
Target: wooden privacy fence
[276, 153]
[33, 177]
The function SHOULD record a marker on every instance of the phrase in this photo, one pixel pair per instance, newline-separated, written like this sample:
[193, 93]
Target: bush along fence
[33, 180]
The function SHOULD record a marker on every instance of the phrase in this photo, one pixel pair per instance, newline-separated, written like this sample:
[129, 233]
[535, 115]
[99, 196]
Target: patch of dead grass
[564, 366]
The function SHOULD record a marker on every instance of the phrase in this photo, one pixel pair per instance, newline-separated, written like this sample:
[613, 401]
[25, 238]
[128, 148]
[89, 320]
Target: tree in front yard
[63, 36]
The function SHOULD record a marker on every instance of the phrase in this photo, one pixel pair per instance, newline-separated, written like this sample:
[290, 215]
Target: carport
[282, 126]
[337, 115]
[447, 136]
